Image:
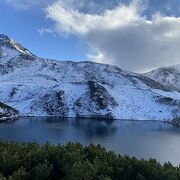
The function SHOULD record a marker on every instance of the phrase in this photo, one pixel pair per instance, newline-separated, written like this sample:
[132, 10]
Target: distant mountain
[41, 87]
[169, 76]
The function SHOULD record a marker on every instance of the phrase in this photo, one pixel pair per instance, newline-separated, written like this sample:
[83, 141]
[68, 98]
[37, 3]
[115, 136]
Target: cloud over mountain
[121, 35]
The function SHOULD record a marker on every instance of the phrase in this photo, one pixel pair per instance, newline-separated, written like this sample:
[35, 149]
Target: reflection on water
[143, 139]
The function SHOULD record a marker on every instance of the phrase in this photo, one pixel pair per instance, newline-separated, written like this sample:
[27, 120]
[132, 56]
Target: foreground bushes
[73, 161]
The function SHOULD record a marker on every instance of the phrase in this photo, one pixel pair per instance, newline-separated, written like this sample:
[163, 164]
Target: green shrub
[76, 162]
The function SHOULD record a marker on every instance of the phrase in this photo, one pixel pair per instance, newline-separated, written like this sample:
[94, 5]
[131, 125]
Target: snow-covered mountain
[40, 87]
[169, 76]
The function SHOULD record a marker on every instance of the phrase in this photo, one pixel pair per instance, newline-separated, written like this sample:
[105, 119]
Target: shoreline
[16, 118]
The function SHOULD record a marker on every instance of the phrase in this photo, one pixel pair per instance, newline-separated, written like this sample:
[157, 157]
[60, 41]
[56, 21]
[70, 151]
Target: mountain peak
[7, 42]
[168, 76]
[10, 48]
[3, 37]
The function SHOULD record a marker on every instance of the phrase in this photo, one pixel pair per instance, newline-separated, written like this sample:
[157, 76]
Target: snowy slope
[42, 87]
[169, 76]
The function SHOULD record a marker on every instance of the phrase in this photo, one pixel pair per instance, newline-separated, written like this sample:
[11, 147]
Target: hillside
[41, 87]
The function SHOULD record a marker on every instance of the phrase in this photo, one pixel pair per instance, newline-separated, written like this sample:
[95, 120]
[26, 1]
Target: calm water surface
[142, 139]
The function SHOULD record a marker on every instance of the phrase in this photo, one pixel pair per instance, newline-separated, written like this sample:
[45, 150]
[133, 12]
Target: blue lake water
[142, 139]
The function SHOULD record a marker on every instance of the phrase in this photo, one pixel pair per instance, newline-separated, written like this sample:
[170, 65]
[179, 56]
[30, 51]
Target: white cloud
[122, 35]
[68, 19]
[41, 31]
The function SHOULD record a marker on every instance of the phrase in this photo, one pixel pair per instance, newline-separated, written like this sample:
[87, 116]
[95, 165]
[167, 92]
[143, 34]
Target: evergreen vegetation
[76, 162]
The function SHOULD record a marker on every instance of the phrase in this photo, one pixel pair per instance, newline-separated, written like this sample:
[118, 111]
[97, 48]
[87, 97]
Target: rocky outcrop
[7, 111]
[100, 96]
[96, 102]
[53, 103]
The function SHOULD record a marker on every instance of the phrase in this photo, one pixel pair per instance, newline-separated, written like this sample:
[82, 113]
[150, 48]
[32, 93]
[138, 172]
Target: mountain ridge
[168, 75]
[36, 86]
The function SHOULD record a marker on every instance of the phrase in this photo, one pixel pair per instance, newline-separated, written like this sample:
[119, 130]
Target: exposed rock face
[54, 103]
[7, 111]
[93, 102]
[41, 87]
[100, 96]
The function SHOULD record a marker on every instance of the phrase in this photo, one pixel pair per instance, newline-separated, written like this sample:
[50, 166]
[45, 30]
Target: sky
[136, 35]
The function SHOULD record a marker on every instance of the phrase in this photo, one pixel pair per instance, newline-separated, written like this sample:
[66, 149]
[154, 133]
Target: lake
[142, 139]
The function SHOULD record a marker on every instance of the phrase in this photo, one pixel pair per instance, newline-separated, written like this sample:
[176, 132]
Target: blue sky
[23, 24]
[78, 30]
